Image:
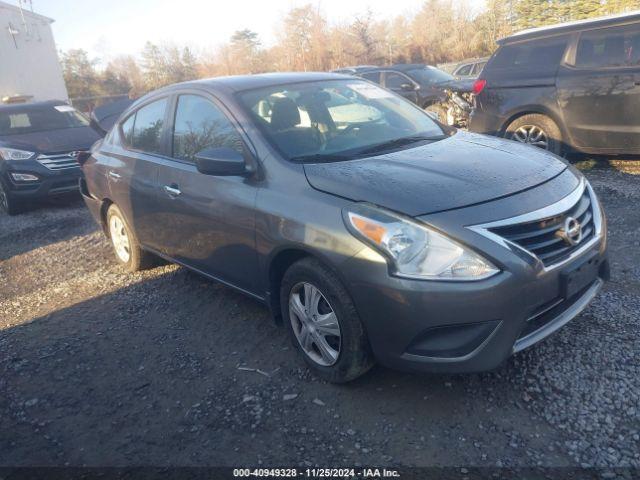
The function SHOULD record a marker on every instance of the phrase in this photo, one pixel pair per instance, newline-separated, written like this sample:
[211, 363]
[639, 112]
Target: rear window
[611, 47]
[539, 55]
[31, 120]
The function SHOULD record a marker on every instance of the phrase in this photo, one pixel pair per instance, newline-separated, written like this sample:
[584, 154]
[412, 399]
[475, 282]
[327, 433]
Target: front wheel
[8, 204]
[323, 322]
[537, 130]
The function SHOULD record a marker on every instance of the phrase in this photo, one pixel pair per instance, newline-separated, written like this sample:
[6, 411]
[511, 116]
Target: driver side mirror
[407, 87]
[221, 161]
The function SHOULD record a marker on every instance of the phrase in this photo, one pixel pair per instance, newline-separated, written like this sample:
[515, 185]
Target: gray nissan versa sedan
[371, 231]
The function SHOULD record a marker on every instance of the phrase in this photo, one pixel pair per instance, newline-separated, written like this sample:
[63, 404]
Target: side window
[464, 70]
[127, 129]
[395, 80]
[611, 47]
[147, 128]
[540, 56]
[200, 124]
[372, 76]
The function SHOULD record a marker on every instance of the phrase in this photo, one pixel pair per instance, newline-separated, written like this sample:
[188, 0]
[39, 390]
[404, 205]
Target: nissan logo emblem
[571, 231]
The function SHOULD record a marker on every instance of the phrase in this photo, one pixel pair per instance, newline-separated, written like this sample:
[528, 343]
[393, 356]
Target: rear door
[599, 90]
[132, 168]
[210, 220]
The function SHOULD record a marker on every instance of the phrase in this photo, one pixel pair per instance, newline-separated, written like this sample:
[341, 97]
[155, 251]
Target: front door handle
[174, 191]
[114, 175]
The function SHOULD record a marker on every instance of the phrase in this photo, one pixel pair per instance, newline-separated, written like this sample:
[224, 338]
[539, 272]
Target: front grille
[541, 237]
[60, 161]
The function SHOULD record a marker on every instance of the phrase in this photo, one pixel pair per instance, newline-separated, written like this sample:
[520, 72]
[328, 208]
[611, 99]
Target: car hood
[462, 170]
[53, 141]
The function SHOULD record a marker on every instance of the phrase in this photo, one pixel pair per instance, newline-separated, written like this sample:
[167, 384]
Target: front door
[402, 85]
[599, 91]
[208, 221]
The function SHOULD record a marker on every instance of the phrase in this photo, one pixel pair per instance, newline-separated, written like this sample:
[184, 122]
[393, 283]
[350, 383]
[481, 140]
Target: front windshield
[430, 75]
[336, 119]
[16, 121]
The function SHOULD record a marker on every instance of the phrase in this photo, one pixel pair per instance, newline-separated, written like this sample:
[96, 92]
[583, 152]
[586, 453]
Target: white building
[29, 62]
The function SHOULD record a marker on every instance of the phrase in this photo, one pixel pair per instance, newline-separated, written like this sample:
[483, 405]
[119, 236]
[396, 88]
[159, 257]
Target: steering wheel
[348, 128]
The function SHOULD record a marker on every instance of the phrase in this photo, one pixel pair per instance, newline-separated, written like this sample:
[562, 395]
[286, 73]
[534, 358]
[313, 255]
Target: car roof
[30, 107]
[570, 27]
[239, 83]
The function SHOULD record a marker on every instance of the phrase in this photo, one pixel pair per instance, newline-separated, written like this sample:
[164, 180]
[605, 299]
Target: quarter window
[199, 124]
[127, 129]
[147, 127]
[613, 47]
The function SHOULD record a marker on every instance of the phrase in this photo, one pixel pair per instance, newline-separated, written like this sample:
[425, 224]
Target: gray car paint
[276, 214]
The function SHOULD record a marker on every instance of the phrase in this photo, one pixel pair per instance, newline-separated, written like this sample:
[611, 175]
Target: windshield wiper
[398, 142]
[321, 157]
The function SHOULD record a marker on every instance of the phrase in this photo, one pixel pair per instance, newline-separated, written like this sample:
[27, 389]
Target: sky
[106, 28]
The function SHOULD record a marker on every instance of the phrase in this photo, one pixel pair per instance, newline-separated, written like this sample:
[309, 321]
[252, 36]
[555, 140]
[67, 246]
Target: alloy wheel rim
[315, 324]
[531, 135]
[119, 238]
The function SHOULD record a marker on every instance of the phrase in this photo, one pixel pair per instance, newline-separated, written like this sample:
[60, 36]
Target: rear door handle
[174, 191]
[114, 175]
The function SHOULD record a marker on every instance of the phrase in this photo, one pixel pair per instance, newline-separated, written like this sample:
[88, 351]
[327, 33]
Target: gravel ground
[99, 367]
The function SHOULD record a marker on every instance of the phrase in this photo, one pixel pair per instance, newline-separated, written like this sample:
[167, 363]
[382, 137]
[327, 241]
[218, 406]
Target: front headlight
[414, 249]
[13, 154]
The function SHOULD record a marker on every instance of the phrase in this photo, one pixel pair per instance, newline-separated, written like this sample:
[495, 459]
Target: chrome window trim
[557, 208]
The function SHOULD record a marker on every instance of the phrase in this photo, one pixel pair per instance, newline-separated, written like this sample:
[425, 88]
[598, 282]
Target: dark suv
[39, 143]
[371, 231]
[570, 86]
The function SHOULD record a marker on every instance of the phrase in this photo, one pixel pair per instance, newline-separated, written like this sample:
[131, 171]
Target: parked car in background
[103, 117]
[353, 70]
[371, 231]
[417, 82]
[573, 86]
[470, 68]
[39, 143]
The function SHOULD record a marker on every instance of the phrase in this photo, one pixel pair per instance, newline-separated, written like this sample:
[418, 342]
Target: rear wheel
[8, 204]
[537, 130]
[125, 244]
[323, 322]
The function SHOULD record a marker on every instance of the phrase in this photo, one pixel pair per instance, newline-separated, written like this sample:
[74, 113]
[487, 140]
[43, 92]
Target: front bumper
[50, 182]
[446, 326]
[459, 327]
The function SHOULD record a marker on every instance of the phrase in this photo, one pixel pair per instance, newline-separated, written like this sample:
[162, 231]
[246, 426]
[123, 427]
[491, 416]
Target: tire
[353, 357]
[439, 111]
[125, 245]
[8, 204]
[535, 124]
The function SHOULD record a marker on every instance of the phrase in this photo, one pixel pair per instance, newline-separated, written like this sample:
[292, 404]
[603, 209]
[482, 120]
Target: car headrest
[284, 114]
